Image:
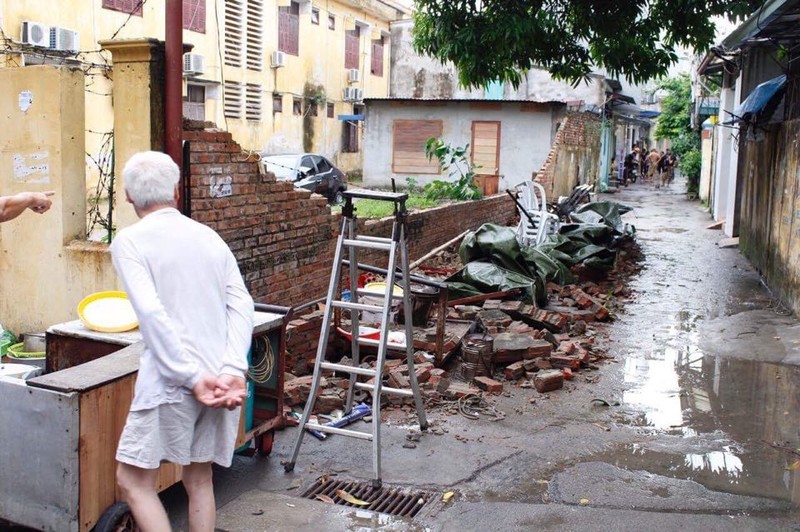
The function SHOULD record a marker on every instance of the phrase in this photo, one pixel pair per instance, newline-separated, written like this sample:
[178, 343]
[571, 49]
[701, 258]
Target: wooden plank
[64, 352]
[400, 169]
[92, 374]
[103, 412]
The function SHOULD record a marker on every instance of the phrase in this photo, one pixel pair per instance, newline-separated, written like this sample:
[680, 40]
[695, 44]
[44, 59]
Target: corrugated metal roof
[458, 100]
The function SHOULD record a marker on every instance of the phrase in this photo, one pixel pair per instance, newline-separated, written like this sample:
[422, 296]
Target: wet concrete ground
[704, 368]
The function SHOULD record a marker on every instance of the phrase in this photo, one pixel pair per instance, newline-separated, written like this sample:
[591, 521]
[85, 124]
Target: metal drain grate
[393, 501]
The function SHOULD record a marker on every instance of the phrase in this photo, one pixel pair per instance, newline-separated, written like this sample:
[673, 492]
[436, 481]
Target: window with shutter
[254, 39]
[233, 99]
[244, 30]
[330, 110]
[408, 146]
[351, 39]
[252, 101]
[126, 6]
[350, 137]
[289, 29]
[234, 28]
[377, 58]
[194, 15]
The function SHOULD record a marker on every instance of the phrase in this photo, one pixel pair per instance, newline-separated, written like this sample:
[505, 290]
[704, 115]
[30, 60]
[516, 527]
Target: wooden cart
[59, 431]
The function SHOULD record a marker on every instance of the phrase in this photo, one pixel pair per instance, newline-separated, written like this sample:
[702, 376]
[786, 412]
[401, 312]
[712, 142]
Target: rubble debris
[489, 385]
[547, 381]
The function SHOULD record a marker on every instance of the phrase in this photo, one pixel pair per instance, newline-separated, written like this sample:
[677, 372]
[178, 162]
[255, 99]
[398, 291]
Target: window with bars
[126, 6]
[194, 15]
[351, 41]
[252, 101]
[233, 99]
[244, 28]
[194, 105]
[277, 103]
[289, 29]
[377, 58]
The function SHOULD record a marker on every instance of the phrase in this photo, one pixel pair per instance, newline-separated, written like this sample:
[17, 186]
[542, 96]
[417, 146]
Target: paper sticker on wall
[25, 100]
[221, 186]
[31, 167]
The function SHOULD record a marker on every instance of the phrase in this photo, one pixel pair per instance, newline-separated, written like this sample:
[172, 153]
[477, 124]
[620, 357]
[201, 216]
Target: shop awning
[352, 118]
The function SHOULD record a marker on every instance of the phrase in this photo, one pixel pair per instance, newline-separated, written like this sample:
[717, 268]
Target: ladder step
[349, 305]
[366, 244]
[367, 372]
[374, 239]
[343, 432]
[385, 389]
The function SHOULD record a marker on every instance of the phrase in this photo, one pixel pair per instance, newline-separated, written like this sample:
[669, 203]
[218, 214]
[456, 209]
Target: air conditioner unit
[359, 95]
[64, 39]
[353, 75]
[194, 63]
[35, 34]
[349, 94]
[278, 59]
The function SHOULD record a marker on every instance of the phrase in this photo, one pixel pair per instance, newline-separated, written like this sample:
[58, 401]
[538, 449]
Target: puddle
[722, 412]
[364, 520]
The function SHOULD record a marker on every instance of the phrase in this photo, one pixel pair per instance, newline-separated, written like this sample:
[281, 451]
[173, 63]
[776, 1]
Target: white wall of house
[731, 226]
[725, 154]
[525, 135]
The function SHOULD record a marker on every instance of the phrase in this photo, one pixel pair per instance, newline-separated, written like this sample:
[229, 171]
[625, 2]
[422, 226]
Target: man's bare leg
[138, 487]
[202, 507]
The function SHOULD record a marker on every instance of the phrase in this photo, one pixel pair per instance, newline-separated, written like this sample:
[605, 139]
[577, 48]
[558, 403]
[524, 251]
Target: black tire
[116, 518]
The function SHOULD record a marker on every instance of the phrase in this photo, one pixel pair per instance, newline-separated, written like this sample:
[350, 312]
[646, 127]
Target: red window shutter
[289, 30]
[351, 49]
[125, 6]
[377, 58]
[194, 15]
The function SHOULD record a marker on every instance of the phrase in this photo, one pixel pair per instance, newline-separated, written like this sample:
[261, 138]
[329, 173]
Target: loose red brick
[488, 385]
[514, 371]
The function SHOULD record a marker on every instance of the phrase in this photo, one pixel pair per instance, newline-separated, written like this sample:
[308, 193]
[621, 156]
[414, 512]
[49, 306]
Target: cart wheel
[116, 518]
[264, 443]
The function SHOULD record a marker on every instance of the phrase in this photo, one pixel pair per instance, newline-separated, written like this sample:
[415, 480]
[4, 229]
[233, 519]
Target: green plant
[690, 164]
[454, 162]
[314, 96]
[412, 185]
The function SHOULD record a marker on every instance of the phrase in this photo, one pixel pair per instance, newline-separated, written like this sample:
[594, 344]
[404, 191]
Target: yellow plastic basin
[110, 311]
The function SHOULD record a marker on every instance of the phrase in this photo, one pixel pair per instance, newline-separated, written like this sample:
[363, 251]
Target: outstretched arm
[13, 206]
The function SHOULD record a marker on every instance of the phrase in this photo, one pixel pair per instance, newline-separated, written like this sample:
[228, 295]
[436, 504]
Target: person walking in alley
[196, 319]
[653, 160]
[13, 206]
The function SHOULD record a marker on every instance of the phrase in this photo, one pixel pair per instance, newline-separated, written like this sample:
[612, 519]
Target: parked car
[309, 171]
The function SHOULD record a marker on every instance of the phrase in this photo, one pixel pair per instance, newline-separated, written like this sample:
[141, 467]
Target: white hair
[149, 178]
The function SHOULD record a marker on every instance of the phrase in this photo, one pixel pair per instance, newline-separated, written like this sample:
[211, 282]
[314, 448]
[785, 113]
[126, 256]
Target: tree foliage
[676, 108]
[491, 40]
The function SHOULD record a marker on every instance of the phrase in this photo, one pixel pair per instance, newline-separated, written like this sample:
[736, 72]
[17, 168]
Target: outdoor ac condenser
[194, 63]
[35, 34]
[353, 75]
[278, 59]
[64, 39]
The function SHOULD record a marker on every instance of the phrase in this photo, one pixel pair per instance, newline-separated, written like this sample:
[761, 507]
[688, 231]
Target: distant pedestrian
[653, 158]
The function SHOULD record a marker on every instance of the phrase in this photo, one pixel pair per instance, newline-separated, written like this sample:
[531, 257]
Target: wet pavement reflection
[726, 422]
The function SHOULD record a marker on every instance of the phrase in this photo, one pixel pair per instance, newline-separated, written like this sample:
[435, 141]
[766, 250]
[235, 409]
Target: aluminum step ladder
[397, 249]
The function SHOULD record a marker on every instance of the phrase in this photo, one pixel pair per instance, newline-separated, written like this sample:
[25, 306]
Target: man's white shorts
[180, 433]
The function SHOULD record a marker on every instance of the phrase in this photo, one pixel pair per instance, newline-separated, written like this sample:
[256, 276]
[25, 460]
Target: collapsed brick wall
[284, 238]
[578, 134]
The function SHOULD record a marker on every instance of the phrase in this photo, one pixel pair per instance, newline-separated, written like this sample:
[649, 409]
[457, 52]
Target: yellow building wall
[320, 62]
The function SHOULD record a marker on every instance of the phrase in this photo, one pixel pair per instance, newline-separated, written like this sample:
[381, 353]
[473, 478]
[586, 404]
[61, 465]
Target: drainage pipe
[173, 97]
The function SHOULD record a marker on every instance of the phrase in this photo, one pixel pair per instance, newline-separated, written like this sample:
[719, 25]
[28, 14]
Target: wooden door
[486, 155]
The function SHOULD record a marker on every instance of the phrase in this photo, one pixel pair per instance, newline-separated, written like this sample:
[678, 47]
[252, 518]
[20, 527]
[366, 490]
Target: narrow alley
[696, 430]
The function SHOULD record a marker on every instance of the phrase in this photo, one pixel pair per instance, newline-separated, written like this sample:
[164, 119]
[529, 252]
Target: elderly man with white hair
[196, 318]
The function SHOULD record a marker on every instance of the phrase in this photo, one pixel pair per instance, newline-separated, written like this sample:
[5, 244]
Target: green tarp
[495, 261]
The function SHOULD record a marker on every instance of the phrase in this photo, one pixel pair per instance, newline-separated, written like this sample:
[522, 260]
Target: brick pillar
[138, 108]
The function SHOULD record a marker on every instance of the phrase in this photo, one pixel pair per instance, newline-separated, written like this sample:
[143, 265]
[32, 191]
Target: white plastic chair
[535, 223]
